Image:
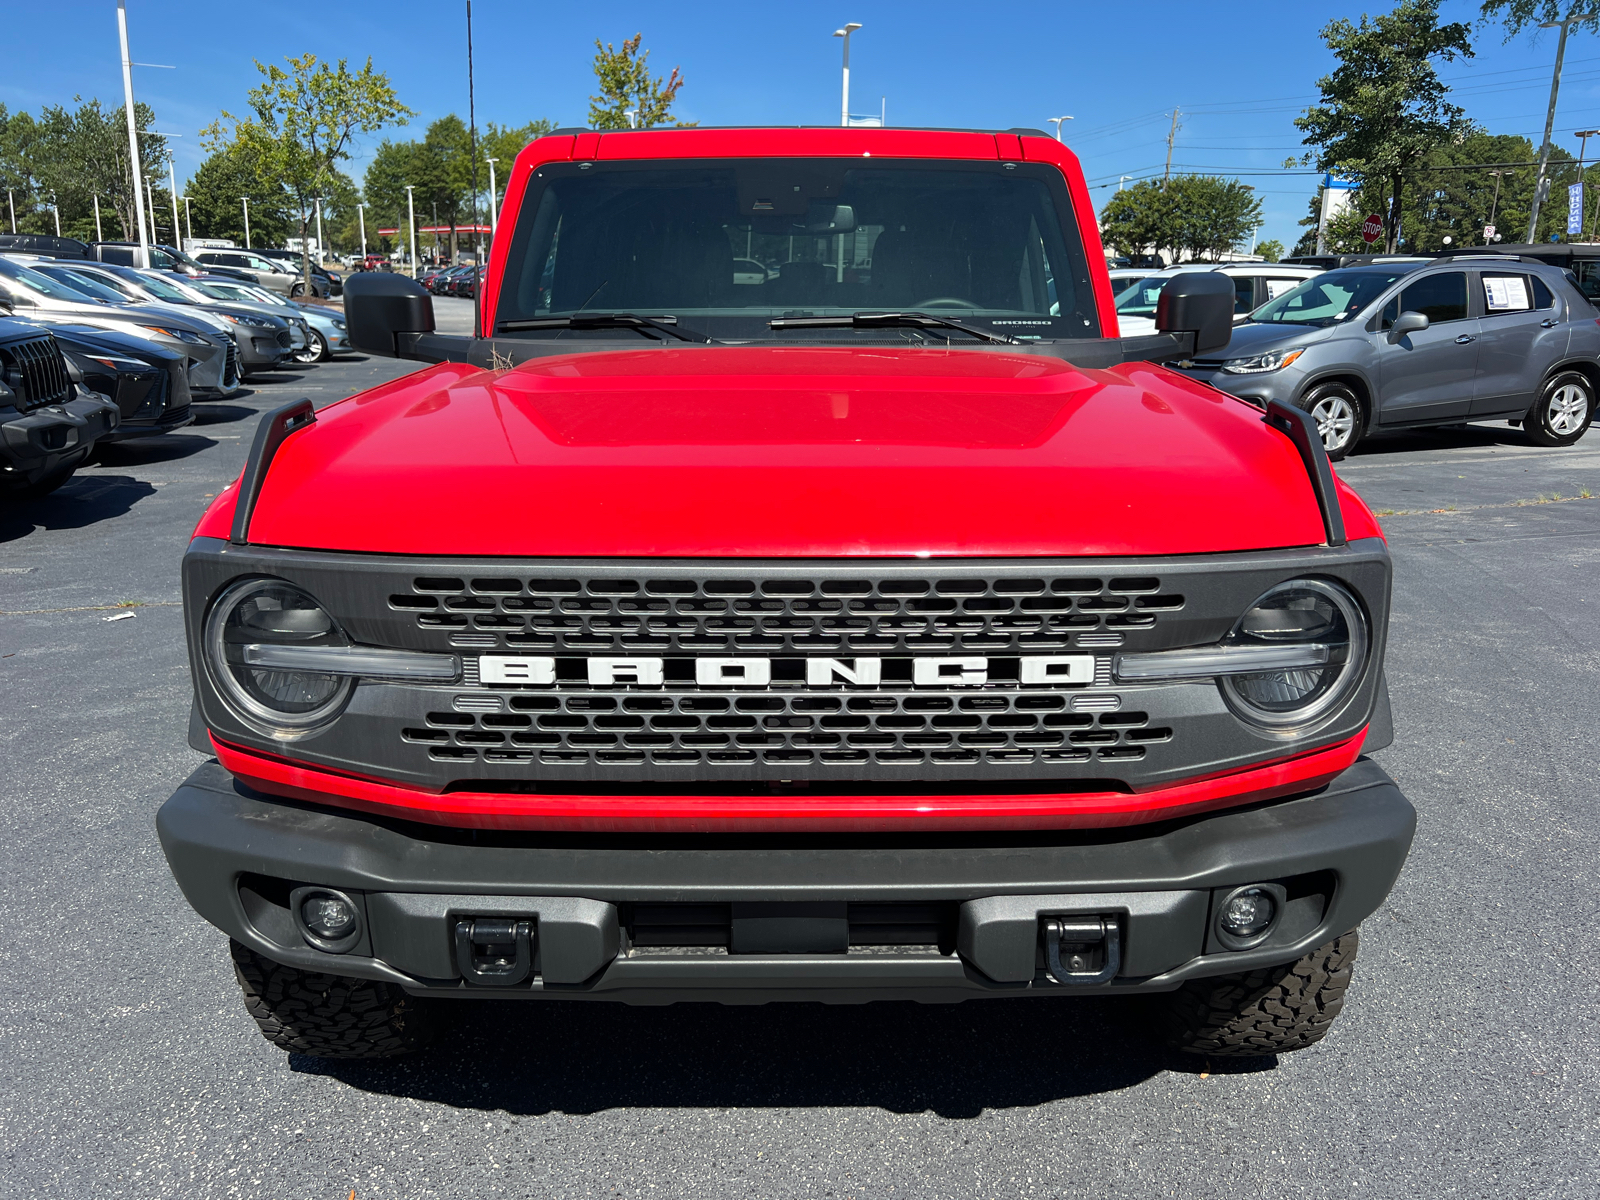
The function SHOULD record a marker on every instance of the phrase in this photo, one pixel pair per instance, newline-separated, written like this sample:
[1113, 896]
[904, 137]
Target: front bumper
[36, 444]
[969, 905]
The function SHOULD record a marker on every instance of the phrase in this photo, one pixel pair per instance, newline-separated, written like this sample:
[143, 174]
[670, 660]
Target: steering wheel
[942, 302]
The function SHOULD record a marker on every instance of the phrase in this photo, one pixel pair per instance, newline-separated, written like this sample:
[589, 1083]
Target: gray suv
[1402, 344]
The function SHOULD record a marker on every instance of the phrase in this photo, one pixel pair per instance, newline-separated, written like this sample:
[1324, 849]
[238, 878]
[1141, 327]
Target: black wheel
[1271, 1011]
[329, 1016]
[1563, 411]
[1341, 419]
[316, 350]
[297, 289]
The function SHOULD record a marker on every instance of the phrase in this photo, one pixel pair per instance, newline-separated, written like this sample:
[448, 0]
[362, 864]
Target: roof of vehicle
[1549, 252]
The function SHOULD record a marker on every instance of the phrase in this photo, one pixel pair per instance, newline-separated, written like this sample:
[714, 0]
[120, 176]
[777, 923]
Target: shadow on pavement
[160, 448]
[222, 414]
[1461, 437]
[265, 378]
[534, 1057]
[80, 502]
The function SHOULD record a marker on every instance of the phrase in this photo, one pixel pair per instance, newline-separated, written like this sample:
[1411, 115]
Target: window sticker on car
[1505, 293]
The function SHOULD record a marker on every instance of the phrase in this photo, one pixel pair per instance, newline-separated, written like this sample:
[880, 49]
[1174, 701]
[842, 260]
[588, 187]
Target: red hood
[763, 452]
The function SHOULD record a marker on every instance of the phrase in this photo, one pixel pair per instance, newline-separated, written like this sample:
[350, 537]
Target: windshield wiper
[885, 320]
[644, 325]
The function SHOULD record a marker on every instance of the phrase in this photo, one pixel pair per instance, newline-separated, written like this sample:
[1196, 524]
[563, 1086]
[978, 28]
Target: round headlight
[1300, 612]
[268, 612]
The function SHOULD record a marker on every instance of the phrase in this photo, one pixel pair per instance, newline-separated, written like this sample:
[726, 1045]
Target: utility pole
[1172, 136]
[246, 200]
[1543, 184]
[136, 171]
[844, 107]
[493, 217]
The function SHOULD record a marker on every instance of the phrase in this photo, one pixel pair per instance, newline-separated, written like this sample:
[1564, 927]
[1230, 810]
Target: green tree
[1139, 219]
[19, 136]
[1270, 250]
[1517, 15]
[627, 86]
[384, 186]
[1383, 109]
[305, 121]
[83, 153]
[216, 191]
[1193, 216]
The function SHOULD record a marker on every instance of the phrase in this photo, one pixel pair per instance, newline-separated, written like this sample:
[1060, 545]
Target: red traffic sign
[1372, 229]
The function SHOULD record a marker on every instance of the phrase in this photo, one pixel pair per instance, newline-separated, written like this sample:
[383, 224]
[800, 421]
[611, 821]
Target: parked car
[204, 340]
[39, 243]
[1329, 262]
[270, 273]
[1254, 284]
[1580, 258]
[332, 280]
[1405, 344]
[197, 290]
[264, 341]
[327, 334]
[149, 385]
[439, 283]
[162, 258]
[464, 286]
[49, 423]
[870, 653]
[1123, 278]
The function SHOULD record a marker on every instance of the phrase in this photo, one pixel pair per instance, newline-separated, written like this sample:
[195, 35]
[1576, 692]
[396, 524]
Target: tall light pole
[137, 171]
[1121, 179]
[1056, 121]
[246, 200]
[11, 203]
[492, 210]
[172, 182]
[56, 209]
[844, 107]
[150, 195]
[411, 211]
[188, 222]
[98, 236]
[1542, 185]
[361, 216]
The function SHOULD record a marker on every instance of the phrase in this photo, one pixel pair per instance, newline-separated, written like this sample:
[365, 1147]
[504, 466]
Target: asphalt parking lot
[1467, 1062]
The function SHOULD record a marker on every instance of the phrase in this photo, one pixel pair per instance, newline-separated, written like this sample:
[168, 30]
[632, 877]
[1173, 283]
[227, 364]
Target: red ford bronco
[797, 590]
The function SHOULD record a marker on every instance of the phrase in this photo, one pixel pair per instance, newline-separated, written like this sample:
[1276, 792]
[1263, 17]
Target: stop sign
[1372, 229]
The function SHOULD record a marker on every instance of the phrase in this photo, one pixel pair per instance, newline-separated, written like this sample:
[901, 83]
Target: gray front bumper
[1344, 844]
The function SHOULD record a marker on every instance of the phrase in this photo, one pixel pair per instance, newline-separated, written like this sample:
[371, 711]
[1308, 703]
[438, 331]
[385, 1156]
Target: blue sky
[1240, 72]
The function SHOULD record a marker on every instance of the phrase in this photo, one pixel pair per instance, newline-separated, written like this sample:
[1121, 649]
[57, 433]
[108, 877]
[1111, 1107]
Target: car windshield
[1140, 299]
[985, 243]
[225, 291]
[159, 287]
[1328, 299]
[83, 283]
[27, 279]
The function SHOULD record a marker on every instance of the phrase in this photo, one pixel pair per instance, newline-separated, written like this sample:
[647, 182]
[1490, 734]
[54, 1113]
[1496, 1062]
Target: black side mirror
[1407, 322]
[380, 307]
[1201, 303]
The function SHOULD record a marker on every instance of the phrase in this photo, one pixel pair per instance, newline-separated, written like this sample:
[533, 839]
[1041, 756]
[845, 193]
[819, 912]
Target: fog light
[1248, 913]
[328, 920]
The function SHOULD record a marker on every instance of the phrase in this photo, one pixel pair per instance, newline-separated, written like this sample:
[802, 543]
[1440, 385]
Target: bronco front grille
[1011, 614]
[36, 371]
[886, 729]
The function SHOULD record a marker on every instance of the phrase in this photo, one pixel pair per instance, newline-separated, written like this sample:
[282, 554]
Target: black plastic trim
[1301, 429]
[271, 433]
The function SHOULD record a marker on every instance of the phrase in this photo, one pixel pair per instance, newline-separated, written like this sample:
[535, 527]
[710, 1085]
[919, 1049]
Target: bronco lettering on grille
[1072, 670]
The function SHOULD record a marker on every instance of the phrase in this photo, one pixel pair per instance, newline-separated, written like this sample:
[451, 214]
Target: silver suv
[1397, 345]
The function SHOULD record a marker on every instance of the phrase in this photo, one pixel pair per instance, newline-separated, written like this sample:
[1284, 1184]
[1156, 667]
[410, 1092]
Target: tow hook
[494, 953]
[1069, 945]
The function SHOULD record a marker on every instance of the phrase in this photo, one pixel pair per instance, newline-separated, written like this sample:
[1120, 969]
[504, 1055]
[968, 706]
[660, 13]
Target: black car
[49, 423]
[43, 243]
[162, 258]
[148, 384]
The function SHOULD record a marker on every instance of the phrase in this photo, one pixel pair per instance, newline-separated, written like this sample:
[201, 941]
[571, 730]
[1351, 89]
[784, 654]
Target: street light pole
[1543, 184]
[844, 107]
[136, 171]
[98, 236]
[11, 203]
[56, 209]
[150, 195]
[411, 210]
[172, 182]
[246, 200]
[492, 210]
[361, 216]
[1056, 121]
[322, 254]
[188, 221]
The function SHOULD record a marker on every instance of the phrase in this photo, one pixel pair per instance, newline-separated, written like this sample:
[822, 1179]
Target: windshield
[161, 288]
[728, 246]
[1327, 299]
[25, 279]
[83, 283]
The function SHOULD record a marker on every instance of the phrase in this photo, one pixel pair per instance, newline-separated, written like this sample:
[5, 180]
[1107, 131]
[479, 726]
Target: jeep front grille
[36, 371]
[1012, 614]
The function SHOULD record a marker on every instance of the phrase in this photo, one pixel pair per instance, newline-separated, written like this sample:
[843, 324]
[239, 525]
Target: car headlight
[182, 335]
[261, 613]
[338, 324]
[253, 322]
[1311, 615]
[1256, 364]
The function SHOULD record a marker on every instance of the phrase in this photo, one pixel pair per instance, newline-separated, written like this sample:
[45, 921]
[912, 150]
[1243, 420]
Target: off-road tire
[1551, 421]
[329, 1016]
[1340, 415]
[1271, 1011]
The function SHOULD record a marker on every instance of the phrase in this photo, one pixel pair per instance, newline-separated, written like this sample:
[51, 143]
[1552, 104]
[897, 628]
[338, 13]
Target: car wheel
[1564, 410]
[1339, 416]
[298, 289]
[316, 350]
